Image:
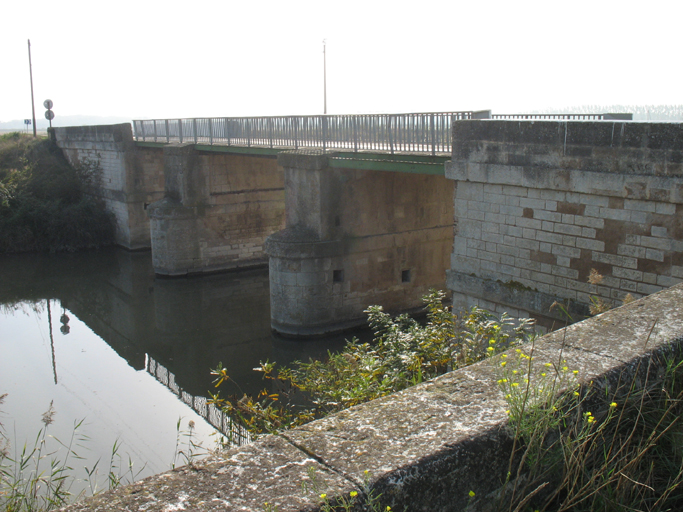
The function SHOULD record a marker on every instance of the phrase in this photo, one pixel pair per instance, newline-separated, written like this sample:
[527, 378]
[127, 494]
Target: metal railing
[412, 133]
[236, 434]
[566, 117]
[420, 133]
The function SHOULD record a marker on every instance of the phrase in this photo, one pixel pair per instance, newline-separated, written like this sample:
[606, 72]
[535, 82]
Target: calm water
[101, 339]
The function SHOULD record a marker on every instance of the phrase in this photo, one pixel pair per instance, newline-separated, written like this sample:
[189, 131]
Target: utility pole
[324, 77]
[33, 105]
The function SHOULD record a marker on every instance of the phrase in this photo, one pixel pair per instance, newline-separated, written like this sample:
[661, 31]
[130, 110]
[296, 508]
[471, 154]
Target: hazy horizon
[225, 59]
[640, 113]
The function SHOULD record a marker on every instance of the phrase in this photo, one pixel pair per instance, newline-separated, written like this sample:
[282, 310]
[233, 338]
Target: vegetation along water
[45, 203]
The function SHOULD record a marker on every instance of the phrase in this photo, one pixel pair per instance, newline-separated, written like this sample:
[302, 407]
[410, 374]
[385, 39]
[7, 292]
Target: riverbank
[45, 203]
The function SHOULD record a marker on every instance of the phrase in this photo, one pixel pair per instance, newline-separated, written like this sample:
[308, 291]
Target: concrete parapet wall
[132, 177]
[540, 204]
[355, 238]
[424, 448]
[218, 210]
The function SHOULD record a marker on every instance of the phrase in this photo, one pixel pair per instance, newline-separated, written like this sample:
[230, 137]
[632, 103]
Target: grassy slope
[45, 203]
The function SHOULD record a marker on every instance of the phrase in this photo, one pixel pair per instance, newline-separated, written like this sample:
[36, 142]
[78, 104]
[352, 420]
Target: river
[105, 343]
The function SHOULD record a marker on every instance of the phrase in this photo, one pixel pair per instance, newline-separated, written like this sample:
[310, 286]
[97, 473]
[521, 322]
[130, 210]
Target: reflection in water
[234, 432]
[123, 331]
[52, 340]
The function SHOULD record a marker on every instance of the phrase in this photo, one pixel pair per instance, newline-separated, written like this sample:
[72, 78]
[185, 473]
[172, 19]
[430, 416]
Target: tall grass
[595, 446]
[39, 476]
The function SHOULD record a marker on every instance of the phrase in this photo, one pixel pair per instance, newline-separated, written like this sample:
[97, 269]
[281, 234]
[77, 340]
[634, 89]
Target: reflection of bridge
[236, 434]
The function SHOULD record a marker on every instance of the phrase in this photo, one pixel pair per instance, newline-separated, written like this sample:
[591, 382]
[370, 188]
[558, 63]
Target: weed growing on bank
[33, 478]
[365, 499]
[39, 477]
[595, 447]
[45, 203]
[402, 354]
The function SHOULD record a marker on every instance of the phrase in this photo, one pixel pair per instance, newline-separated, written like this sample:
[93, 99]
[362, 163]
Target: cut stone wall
[132, 176]
[217, 212]
[422, 449]
[355, 238]
[540, 204]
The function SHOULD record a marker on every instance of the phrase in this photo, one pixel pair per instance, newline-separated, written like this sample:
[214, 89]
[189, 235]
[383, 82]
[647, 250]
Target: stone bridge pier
[217, 211]
[354, 238]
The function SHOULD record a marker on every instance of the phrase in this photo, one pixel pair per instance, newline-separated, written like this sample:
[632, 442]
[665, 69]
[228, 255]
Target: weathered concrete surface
[540, 204]
[354, 238]
[217, 211]
[132, 176]
[425, 448]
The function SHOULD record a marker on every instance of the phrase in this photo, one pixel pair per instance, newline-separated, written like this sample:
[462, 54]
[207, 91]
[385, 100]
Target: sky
[214, 58]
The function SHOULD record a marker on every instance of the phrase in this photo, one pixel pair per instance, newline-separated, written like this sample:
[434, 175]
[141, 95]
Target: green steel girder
[406, 162]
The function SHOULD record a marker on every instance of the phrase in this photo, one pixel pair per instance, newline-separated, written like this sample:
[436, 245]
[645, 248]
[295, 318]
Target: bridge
[508, 212]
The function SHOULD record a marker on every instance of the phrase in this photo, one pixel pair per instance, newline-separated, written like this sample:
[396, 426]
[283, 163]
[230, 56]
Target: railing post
[168, 135]
[194, 129]
[391, 135]
[355, 134]
[227, 129]
[324, 123]
[210, 131]
[248, 132]
[270, 131]
[295, 120]
[155, 130]
[433, 133]
[180, 130]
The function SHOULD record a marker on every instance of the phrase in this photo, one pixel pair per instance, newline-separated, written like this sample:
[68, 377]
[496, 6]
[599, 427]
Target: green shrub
[45, 203]
[403, 353]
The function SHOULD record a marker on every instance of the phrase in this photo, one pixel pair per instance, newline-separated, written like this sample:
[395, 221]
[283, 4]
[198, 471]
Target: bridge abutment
[539, 205]
[132, 176]
[355, 238]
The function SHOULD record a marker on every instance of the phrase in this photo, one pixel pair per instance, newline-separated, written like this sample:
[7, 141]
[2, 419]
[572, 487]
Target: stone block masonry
[132, 176]
[424, 448]
[540, 204]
